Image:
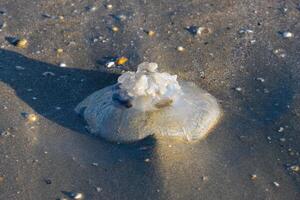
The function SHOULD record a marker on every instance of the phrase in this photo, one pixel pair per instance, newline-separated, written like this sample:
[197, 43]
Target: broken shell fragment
[121, 61]
[22, 43]
[150, 33]
[32, 118]
[109, 6]
[203, 30]
[148, 102]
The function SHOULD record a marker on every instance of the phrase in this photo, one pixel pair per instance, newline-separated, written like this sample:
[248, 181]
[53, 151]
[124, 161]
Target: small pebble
[253, 177]
[203, 30]
[287, 34]
[63, 65]
[121, 17]
[109, 6]
[151, 33]
[180, 48]
[110, 64]
[147, 160]
[260, 79]
[238, 89]
[204, 178]
[76, 196]
[115, 29]
[95, 164]
[281, 129]
[244, 31]
[98, 189]
[276, 184]
[295, 168]
[91, 8]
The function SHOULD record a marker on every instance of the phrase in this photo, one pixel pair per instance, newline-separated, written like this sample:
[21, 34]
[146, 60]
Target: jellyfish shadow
[53, 92]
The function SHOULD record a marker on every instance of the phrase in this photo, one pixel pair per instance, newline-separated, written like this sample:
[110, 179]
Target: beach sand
[244, 61]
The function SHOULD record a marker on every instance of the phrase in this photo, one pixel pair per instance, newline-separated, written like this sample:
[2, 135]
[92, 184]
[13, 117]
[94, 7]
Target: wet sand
[244, 62]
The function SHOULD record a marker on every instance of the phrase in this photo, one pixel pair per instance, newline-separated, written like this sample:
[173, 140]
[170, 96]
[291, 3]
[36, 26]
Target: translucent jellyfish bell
[148, 102]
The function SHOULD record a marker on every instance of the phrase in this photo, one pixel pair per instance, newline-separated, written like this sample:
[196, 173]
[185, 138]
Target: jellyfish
[148, 102]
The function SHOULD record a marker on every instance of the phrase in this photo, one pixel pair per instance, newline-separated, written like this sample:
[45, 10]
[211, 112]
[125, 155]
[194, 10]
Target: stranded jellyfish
[147, 102]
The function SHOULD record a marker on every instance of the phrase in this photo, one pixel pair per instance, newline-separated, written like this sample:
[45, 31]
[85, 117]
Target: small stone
[98, 189]
[121, 60]
[95, 164]
[287, 34]
[239, 89]
[63, 65]
[22, 43]
[151, 33]
[260, 79]
[32, 118]
[110, 64]
[109, 6]
[61, 18]
[121, 17]
[276, 184]
[91, 8]
[281, 129]
[147, 160]
[204, 178]
[203, 30]
[295, 168]
[59, 50]
[180, 49]
[76, 196]
[115, 29]
[253, 177]
[245, 31]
